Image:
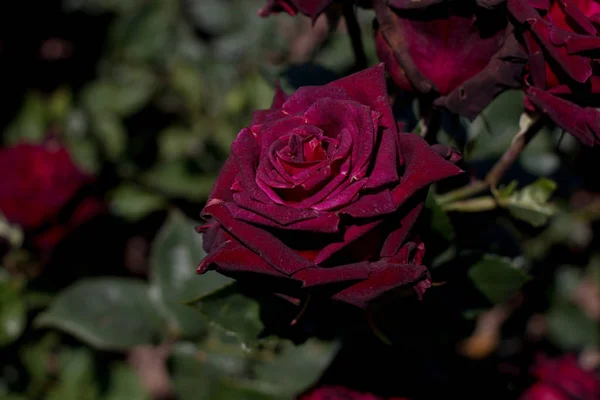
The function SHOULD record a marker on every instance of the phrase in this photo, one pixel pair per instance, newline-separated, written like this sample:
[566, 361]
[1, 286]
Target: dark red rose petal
[578, 67]
[316, 276]
[423, 167]
[384, 277]
[578, 121]
[232, 257]
[395, 240]
[272, 250]
[318, 222]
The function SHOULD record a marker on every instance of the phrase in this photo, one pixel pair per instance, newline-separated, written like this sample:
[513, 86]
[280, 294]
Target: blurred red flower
[563, 379]
[39, 185]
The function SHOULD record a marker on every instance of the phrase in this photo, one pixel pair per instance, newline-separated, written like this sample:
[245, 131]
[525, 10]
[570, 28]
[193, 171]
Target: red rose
[459, 53]
[563, 379]
[339, 393]
[321, 191]
[312, 8]
[39, 181]
[561, 40]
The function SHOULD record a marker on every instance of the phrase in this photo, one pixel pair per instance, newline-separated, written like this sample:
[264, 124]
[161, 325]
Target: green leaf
[81, 142]
[145, 35]
[497, 278]
[126, 91]
[491, 133]
[110, 131]
[174, 179]
[530, 203]
[187, 82]
[76, 378]
[216, 370]
[570, 328]
[190, 380]
[59, 104]
[133, 202]
[201, 372]
[12, 309]
[37, 358]
[568, 325]
[125, 385]
[440, 223]
[213, 15]
[568, 278]
[30, 123]
[176, 252]
[237, 314]
[506, 191]
[295, 368]
[177, 142]
[106, 313]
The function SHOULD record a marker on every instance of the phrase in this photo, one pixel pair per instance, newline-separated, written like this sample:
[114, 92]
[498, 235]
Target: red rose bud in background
[563, 379]
[38, 191]
[340, 393]
[457, 53]
[312, 8]
[321, 191]
[562, 41]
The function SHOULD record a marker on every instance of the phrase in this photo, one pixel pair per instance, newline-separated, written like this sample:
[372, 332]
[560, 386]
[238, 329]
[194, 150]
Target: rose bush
[38, 192]
[460, 54]
[562, 42]
[321, 191]
[563, 379]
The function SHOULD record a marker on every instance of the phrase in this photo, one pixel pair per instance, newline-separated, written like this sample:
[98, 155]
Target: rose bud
[563, 379]
[321, 192]
[561, 40]
[456, 53]
[339, 393]
[38, 192]
[312, 8]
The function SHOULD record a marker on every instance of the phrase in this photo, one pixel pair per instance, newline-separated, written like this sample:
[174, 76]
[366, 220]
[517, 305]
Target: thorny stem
[478, 204]
[512, 154]
[469, 190]
[494, 176]
[353, 26]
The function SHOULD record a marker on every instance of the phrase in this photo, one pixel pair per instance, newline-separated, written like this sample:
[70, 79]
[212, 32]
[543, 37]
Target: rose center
[304, 148]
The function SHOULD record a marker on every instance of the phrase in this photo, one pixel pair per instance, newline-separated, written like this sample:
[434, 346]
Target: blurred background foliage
[148, 95]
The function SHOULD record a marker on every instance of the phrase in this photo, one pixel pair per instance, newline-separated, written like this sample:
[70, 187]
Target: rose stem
[478, 204]
[354, 30]
[512, 154]
[494, 176]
